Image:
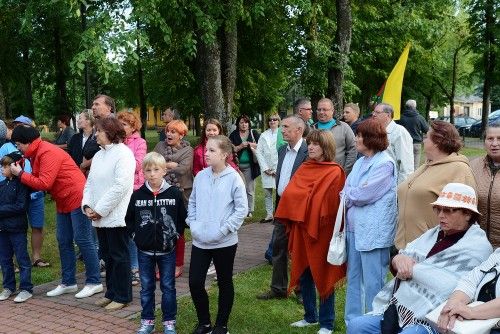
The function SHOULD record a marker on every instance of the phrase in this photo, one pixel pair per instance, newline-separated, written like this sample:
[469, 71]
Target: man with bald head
[290, 157]
[417, 126]
[345, 152]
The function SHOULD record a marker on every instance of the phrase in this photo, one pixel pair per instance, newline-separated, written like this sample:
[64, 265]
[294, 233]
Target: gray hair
[412, 104]
[174, 111]
[299, 103]
[387, 108]
[494, 125]
[297, 121]
[89, 115]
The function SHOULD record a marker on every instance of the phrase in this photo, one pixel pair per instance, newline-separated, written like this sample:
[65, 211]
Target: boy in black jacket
[14, 201]
[155, 219]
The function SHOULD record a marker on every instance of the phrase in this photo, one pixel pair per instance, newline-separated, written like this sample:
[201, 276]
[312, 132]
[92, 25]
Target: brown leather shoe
[102, 301]
[271, 295]
[113, 306]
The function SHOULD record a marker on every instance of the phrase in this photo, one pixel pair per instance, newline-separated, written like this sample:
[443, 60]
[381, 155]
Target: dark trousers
[223, 261]
[279, 281]
[113, 243]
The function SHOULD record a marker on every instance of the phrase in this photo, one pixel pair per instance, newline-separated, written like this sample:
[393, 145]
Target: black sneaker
[202, 329]
[220, 330]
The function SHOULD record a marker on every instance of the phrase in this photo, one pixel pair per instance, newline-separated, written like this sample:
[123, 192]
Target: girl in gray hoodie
[216, 210]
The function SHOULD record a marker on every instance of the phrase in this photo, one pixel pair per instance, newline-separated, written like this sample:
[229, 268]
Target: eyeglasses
[447, 211]
[274, 119]
[310, 109]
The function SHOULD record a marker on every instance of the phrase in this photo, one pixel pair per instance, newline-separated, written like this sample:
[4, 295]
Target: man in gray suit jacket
[290, 157]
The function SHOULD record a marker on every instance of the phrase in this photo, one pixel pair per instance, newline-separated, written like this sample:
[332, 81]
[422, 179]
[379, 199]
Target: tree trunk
[228, 62]
[142, 96]
[86, 74]
[28, 87]
[453, 85]
[339, 61]
[3, 109]
[489, 60]
[62, 105]
[428, 103]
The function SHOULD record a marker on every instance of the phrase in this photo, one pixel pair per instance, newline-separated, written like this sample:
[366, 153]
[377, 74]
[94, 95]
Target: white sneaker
[6, 293]
[89, 290]
[303, 323]
[22, 296]
[324, 331]
[62, 289]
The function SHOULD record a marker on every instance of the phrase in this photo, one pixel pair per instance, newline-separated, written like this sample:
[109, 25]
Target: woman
[443, 165]
[370, 197]
[83, 141]
[245, 141]
[480, 284]
[308, 207]
[214, 225]
[488, 186]
[211, 128]
[267, 155]
[179, 156]
[65, 132]
[429, 268]
[132, 124]
[105, 201]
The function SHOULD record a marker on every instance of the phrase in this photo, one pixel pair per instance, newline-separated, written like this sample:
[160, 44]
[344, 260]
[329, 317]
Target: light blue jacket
[217, 208]
[375, 219]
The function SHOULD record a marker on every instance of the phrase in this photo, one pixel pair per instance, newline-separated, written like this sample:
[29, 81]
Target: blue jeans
[132, 248]
[370, 324]
[326, 310]
[76, 226]
[15, 244]
[366, 271]
[36, 210]
[166, 265]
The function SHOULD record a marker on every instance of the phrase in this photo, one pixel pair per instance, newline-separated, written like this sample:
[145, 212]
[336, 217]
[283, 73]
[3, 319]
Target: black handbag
[390, 320]
[488, 291]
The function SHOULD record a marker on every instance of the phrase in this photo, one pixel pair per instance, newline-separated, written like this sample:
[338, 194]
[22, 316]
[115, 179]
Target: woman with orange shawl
[308, 208]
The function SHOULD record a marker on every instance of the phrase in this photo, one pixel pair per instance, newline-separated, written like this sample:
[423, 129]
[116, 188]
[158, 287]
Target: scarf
[171, 177]
[434, 278]
[308, 208]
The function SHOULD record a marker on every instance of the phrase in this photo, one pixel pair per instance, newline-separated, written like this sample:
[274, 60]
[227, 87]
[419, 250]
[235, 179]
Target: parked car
[462, 123]
[476, 129]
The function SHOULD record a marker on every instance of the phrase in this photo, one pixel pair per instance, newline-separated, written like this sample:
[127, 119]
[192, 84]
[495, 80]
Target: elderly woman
[244, 139]
[105, 201]
[443, 165]
[267, 155]
[308, 207]
[480, 284]
[370, 196]
[65, 132]
[488, 187]
[84, 141]
[211, 128]
[132, 124]
[179, 156]
[429, 268]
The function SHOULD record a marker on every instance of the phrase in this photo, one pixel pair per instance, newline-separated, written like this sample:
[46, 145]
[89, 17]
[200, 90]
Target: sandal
[40, 263]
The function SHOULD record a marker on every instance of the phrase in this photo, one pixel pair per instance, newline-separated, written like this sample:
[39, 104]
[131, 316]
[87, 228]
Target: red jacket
[199, 162]
[54, 170]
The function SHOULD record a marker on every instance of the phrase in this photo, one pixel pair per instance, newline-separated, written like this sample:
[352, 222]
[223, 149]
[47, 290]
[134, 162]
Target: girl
[214, 226]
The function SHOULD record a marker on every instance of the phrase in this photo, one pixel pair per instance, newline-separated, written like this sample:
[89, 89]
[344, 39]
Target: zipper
[488, 205]
[155, 222]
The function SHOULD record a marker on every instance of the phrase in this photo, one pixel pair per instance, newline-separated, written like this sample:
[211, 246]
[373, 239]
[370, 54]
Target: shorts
[36, 210]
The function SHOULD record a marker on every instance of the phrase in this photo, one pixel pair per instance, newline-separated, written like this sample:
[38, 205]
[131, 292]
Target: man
[167, 116]
[351, 115]
[416, 125]
[54, 171]
[103, 106]
[345, 153]
[400, 142]
[301, 108]
[290, 157]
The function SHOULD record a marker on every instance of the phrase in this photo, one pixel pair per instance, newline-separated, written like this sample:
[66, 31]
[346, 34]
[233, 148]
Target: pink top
[199, 162]
[138, 146]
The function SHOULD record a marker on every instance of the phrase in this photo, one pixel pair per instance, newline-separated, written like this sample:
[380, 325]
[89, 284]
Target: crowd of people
[433, 225]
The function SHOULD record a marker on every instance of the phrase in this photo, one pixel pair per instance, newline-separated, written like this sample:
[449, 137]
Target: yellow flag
[394, 83]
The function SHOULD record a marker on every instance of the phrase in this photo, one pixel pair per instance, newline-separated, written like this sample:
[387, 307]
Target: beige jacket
[488, 190]
[422, 188]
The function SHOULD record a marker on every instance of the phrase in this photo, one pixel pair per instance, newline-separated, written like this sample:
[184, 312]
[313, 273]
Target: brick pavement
[66, 314]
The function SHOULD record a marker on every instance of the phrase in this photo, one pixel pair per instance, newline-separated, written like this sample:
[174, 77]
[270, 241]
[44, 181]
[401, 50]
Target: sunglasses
[274, 119]
[437, 209]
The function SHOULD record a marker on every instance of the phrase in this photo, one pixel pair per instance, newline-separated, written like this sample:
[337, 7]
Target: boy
[14, 201]
[155, 220]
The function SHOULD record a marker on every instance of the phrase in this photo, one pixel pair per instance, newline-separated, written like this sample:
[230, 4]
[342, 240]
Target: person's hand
[269, 172]
[178, 271]
[171, 165]
[252, 145]
[15, 169]
[404, 266]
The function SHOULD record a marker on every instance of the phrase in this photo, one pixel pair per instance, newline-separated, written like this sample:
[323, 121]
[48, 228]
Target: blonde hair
[154, 159]
[223, 143]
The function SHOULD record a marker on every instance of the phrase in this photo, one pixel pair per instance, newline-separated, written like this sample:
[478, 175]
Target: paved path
[66, 314]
